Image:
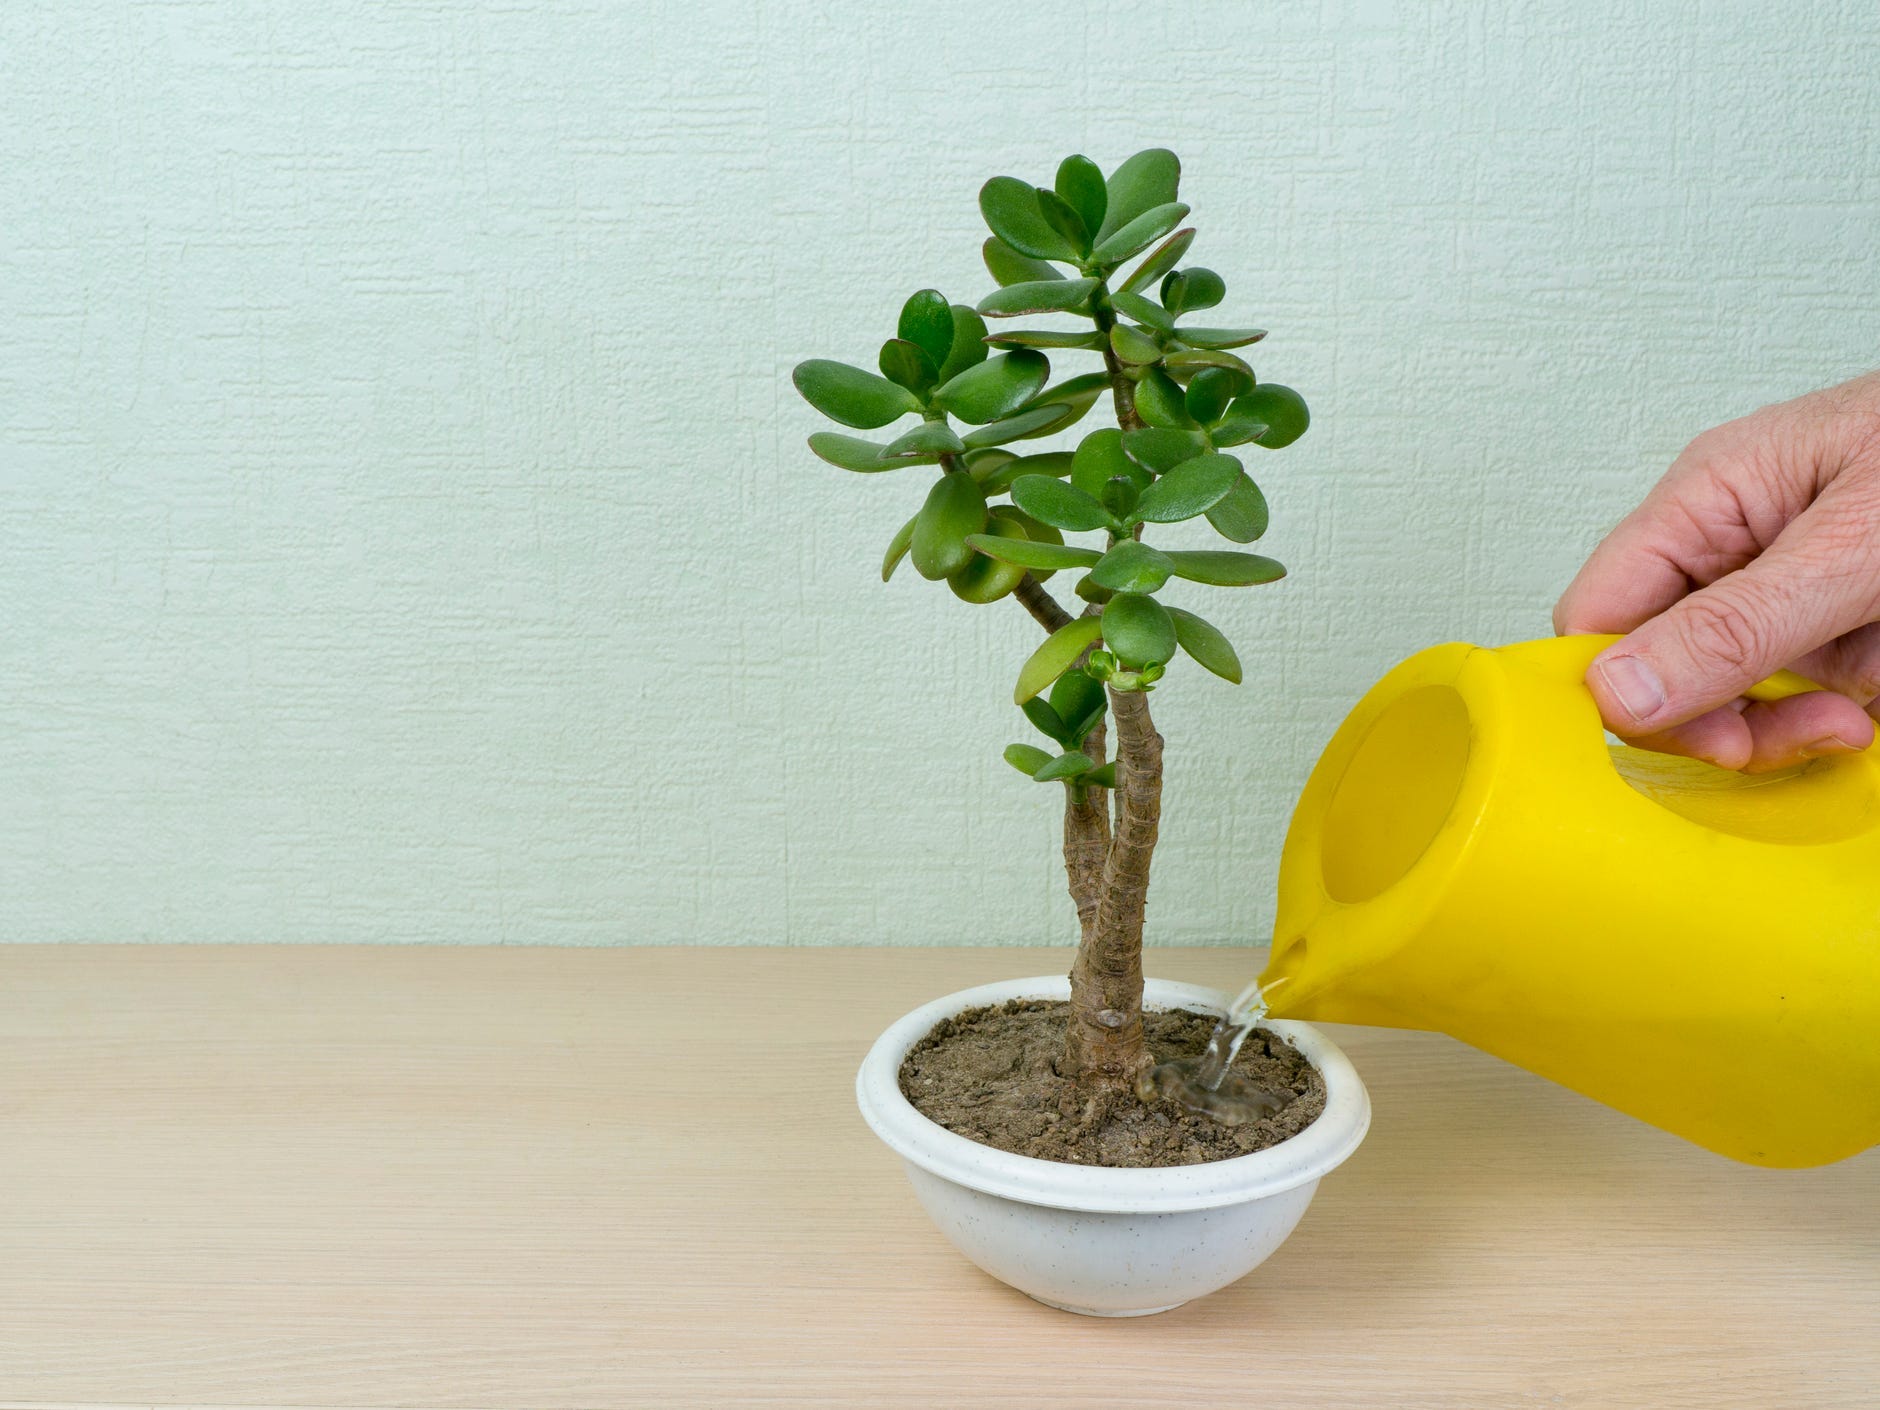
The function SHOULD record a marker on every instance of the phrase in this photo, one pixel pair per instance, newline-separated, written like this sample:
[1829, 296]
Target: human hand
[1759, 549]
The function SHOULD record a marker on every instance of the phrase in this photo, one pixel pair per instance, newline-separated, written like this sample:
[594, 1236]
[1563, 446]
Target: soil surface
[989, 1075]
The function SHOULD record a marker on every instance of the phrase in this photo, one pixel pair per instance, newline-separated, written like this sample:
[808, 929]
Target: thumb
[1708, 648]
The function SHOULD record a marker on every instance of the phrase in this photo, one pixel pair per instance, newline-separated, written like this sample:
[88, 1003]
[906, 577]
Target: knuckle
[1725, 637]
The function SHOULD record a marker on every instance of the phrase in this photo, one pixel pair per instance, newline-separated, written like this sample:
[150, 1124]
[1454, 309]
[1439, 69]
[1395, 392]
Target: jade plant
[993, 520]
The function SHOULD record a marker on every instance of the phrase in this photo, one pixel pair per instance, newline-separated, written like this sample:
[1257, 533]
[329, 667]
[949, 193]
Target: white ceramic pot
[1101, 1241]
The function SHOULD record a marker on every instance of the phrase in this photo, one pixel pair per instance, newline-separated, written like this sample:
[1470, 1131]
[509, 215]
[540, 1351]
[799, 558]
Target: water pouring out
[1204, 1085]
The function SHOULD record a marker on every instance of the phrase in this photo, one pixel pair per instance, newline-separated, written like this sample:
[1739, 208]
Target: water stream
[1203, 1084]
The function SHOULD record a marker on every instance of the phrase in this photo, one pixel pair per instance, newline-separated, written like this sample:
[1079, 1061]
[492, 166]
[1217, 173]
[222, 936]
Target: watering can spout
[1698, 948]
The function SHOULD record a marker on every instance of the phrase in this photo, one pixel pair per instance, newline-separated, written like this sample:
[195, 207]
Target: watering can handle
[1576, 653]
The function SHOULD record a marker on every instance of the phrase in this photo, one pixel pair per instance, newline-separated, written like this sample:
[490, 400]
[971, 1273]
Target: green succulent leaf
[1210, 391]
[986, 578]
[1189, 289]
[1055, 656]
[928, 438]
[968, 348]
[1142, 232]
[1236, 427]
[1037, 421]
[927, 322]
[1190, 489]
[906, 365]
[1026, 758]
[1079, 701]
[996, 476]
[1133, 567]
[897, 548]
[1221, 337]
[1193, 360]
[1065, 766]
[1203, 641]
[1045, 338]
[854, 453]
[850, 395]
[1060, 505]
[1138, 630]
[1160, 449]
[1008, 266]
[1080, 185]
[1011, 209]
[1159, 261]
[1241, 513]
[1090, 592]
[1118, 495]
[1049, 723]
[1040, 296]
[1062, 217]
[1022, 553]
[955, 508]
[1283, 410]
[994, 388]
[1149, 179]
[1104, 777]
[1160, 402]
[1131, 344]
[1223, 567]
[1144, 311]
[1100, 458]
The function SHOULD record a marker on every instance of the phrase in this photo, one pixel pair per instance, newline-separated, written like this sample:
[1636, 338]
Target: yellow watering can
[1696, 947]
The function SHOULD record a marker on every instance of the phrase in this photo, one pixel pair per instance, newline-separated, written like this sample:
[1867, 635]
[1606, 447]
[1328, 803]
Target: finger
[1850, 664]
[1802, 727]
[1819, 579]
[1719, 737]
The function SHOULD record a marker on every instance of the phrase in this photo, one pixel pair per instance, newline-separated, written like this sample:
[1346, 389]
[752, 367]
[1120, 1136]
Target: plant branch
[1030, 595]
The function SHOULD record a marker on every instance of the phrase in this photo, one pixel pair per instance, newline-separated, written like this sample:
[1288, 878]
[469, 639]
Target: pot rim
[1321, 1147]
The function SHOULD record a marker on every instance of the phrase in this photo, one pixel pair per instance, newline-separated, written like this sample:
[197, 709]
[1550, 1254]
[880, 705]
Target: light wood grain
[299, 1176]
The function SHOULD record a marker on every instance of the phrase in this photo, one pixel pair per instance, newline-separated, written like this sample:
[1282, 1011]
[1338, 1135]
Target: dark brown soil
[988, 1074]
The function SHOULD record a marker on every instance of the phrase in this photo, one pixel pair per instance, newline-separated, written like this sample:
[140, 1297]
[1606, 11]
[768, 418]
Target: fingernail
[1827, 744]
[1635, 685]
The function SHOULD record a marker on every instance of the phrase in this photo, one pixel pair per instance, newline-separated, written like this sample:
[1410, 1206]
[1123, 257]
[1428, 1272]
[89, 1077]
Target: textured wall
[405, 527]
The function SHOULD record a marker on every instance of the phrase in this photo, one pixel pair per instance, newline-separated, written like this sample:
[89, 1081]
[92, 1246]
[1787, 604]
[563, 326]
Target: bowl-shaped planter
[1092, 1239]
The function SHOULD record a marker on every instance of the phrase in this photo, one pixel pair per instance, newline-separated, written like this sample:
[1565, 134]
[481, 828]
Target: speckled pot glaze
[1101, 1241]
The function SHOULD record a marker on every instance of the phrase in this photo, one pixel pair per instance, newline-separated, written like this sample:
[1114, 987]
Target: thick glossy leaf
[1222, 337]
[1160, 449]
[1149, 179]
[1047, 720]
[1225, 568]
[1212, 389]
[1008, 266]
[1190, 289]
[1160, 261]
[955, 507]
[1118, 495]
[1041, 296]
[1026, 758]
[1190, 489]
[1104, 777]
[1159, 402]
[897, 548]
[1137, 629]
[1083, 387]
[1203, 641]
[994, 388]
[907, 365]
[1079, 701]
[1131, 344]
[1081, 186]
[927, 322]
[969, 342]
[928, 438]
[1059, 214]
[1133, 567]
[1237, 427]
[1065, 766]
[1283, 410]
[1190, 360]
[996, 477]
[1055, 656]
[1144, 311]
[1142, 232]
[850, 395]
[1011, 209]
[983, 462]
[1099, 459]
[985, 578]
[853, 453]
[1045, 338]
[1241, 515]
[1023, 553]
[1060, 505]
[1036, 532]
[1038, 421]
[1030, 422]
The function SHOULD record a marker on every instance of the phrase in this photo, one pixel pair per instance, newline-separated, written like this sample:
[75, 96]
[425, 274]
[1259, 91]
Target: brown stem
[1042, 606]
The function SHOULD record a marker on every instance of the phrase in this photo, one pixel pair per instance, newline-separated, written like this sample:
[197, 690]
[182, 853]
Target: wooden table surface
[318, 1176]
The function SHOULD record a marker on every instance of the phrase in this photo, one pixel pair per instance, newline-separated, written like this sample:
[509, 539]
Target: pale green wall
[405, 528]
